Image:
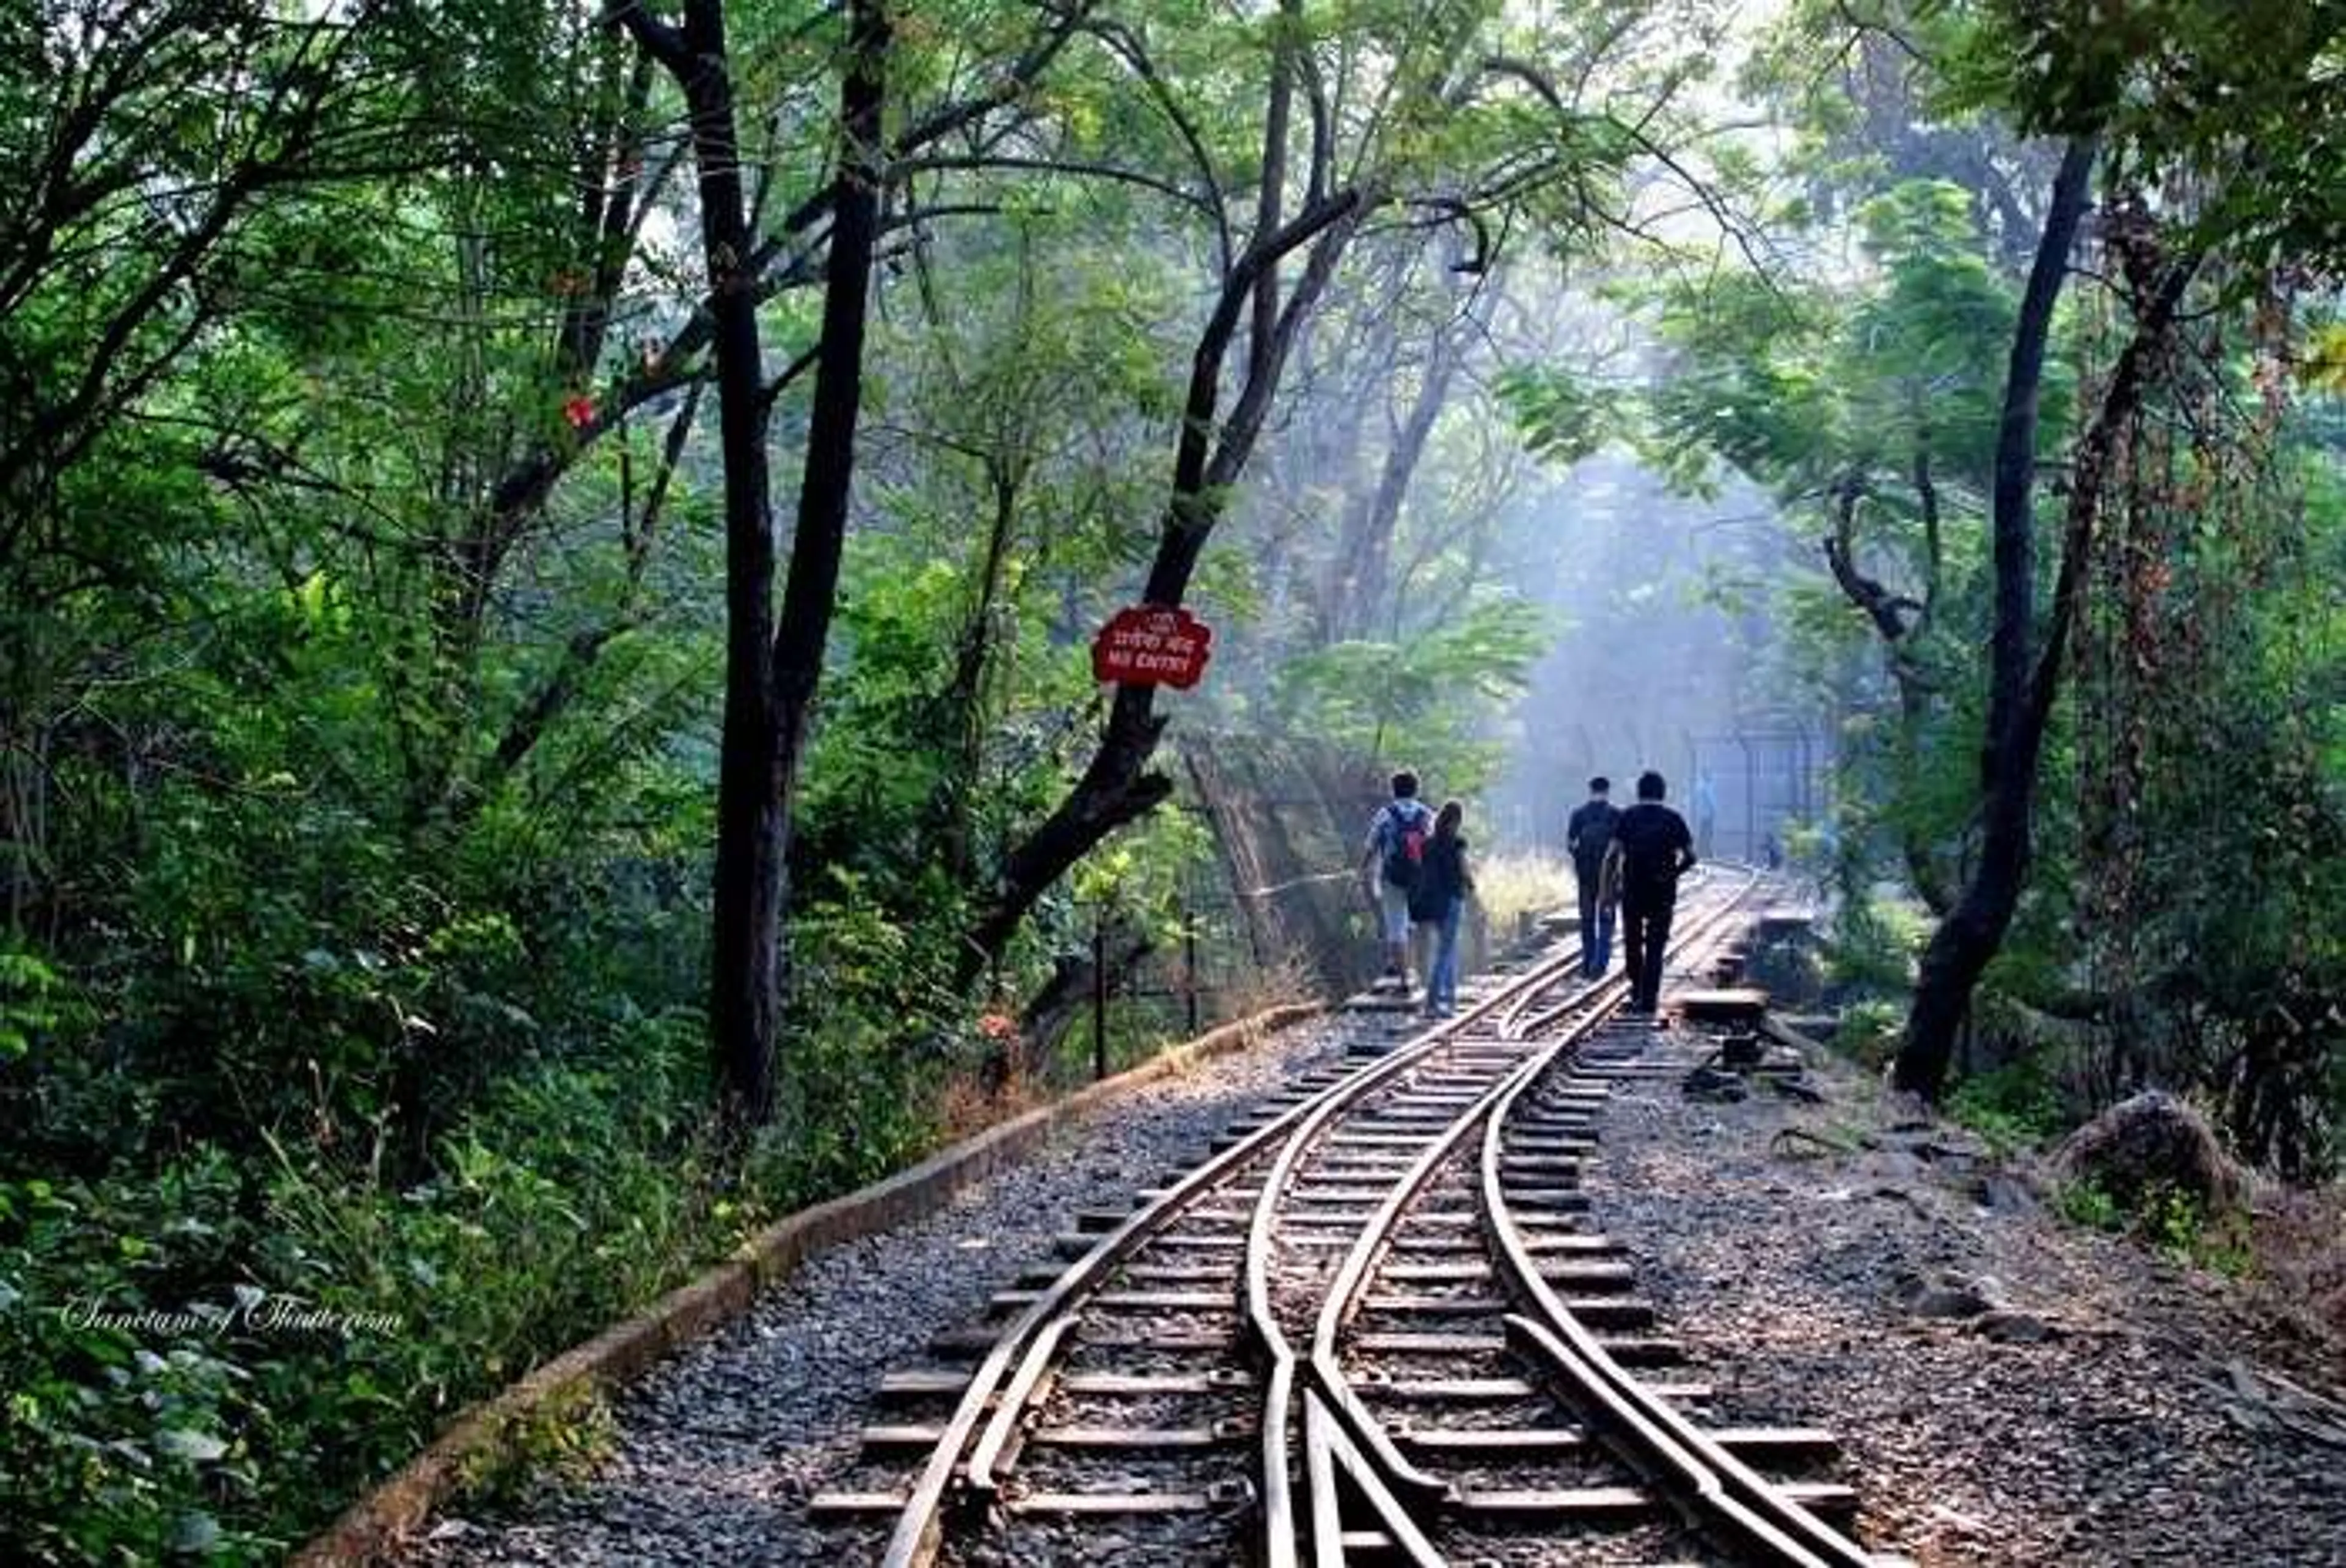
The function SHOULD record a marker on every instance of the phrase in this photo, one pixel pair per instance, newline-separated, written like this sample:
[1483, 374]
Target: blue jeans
[1595, 921]
[1441, 985]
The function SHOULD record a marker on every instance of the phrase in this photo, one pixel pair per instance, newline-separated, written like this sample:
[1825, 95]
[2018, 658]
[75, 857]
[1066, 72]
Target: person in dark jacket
[1439, 900]
[1586, 837]
[1655, 850]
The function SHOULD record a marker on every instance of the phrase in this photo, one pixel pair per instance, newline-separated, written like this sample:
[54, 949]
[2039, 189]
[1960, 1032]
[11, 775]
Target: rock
[1892, 1164]
[1946, 1295]
[2152, 1141]
[1799, 1089]
[1907, 1112]
[1709, 1083]
[2010, 1326]
[2000, 1192]
[1958, 1520]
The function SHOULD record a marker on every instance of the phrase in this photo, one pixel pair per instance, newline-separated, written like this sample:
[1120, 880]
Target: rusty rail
[1718, 1493]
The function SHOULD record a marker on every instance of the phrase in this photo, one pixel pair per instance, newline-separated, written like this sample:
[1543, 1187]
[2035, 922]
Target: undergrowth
[2011, 1107]
[2179, 1226]
[1510, 886]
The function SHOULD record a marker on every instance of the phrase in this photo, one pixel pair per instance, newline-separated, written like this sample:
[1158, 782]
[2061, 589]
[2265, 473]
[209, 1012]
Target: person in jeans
[1586, 837]
[1439, 900]
[1391, 857]
[1655, 850]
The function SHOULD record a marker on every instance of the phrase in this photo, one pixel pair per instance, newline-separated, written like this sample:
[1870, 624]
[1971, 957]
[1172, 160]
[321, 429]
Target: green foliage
[1873, 945]
[563, 1439]
[2089, 1204]
[1424, 699]
[1869, 1032]
[2011, 1107]
[1561, 418]
[28, 1002]
[2175, 89]
[2170, 1221]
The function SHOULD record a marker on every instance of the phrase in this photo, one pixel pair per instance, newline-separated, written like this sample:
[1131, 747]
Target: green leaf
[179, 1442]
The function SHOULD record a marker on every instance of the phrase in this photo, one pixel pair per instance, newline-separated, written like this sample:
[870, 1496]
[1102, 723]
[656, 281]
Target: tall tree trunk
[1365, 551]
[2022, 690]
[770, 675]
[745, 937]
[819, 541]
[1973, 930]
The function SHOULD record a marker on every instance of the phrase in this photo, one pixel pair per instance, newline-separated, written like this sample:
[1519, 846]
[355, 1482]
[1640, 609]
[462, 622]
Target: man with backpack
[1586, 837]
[1390, 858]
[1655, 849]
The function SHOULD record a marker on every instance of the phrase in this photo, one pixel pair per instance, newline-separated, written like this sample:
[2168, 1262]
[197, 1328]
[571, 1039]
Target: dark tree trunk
[2022, 690]
[769, 676]
[1116, 788]
[819, 540]
[749, 805]
[1971, 931]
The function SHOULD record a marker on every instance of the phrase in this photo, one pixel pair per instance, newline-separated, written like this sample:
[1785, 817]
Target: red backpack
[1405, 836]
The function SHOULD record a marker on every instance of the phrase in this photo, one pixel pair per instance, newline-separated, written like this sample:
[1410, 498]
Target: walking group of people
[1630, 862]
[1413, 865]
[1413, 869]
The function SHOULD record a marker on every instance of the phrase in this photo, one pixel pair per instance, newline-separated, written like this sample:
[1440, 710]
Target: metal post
[1750, 797]
[1189, 960]
[1099, 995]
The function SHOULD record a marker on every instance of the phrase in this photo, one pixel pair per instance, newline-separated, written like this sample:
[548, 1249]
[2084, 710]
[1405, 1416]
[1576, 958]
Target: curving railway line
[1373, 1326]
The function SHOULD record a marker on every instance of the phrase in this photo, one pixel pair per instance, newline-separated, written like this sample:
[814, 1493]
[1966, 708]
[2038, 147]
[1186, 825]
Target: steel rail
[1597, 1004]
[1596, 999]
[1327, 1447]
[1270, 1339]
[919, 1528]
[1722, 1495]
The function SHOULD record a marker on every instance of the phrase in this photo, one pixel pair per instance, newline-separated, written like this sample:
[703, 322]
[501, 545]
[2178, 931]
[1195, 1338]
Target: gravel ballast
[2007, 1388]
[716, 1450]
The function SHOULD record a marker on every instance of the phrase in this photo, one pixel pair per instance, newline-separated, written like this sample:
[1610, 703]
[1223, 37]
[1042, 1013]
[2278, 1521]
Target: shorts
[1393, 908]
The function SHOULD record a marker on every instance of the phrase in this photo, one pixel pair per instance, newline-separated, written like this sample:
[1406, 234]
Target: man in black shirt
[1655, 850]
[1587, 836]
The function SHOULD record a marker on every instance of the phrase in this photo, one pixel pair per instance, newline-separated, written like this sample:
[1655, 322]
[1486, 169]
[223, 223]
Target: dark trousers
[1586, 874]
[1646, 936]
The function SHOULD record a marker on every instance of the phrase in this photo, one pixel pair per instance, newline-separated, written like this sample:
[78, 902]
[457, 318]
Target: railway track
[1373, 1326]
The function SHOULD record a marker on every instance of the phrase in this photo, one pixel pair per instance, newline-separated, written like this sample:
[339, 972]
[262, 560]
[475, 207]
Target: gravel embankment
[1831, 1290]
[2087, 1404]
[717, 1450]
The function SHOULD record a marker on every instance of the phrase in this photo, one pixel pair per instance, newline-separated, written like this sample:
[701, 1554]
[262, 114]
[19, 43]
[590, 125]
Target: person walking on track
[1391, 858]
[1655, 850]
[1586, 837]
[1439, 900]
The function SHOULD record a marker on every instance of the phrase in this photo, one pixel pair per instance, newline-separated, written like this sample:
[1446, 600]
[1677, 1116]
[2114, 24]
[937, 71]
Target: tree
[2180, 91]
[1440, 86]
[772, 669]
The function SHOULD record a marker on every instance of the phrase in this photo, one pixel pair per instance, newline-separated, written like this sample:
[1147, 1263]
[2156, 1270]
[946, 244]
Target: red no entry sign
[1150, 645]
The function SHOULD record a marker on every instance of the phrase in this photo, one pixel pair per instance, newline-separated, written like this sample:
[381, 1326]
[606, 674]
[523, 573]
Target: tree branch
[660, 40]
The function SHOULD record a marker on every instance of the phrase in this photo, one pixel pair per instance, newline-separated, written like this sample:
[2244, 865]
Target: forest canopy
[548, 552]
